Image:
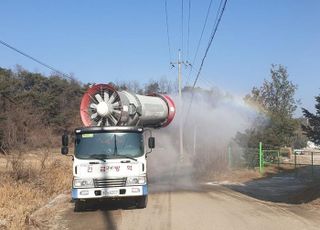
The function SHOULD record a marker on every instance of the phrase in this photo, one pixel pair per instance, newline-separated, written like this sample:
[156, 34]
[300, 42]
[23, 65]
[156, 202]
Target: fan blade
[113, 120]
[104, 121]
[116, 104]
[98, 97]
[106, 96]
[93, 106]
[94, 115]
[112, 98]
[92, 99]
[116, 112]
[110, 121]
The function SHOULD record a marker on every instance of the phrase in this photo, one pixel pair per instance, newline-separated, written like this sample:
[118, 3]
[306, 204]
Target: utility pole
[179, 63]
[179, 75]
[195, 140]
[180, 106]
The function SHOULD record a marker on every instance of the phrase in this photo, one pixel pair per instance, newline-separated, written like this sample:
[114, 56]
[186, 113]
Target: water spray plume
[212, 124]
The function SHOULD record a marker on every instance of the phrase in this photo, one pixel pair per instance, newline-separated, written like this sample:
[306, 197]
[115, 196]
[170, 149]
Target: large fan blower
[102, 105]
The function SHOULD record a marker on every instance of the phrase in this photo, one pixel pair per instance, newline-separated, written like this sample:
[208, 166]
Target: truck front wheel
[79, 205]
[141, 202]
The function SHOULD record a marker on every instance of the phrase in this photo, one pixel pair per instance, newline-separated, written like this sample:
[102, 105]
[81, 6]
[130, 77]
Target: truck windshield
[108, 145]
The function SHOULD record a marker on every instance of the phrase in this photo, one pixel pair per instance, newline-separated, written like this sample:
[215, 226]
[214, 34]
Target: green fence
[306, 159]
[262, 157]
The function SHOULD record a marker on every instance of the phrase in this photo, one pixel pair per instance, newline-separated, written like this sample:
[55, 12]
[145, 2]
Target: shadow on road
[110, 223]
[107, 205]
[297, 187]
[106, 210]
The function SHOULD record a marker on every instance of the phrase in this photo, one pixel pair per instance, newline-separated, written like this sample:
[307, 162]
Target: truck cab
[109, 162]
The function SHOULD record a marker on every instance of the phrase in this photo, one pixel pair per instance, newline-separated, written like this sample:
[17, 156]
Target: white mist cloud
[213, 120]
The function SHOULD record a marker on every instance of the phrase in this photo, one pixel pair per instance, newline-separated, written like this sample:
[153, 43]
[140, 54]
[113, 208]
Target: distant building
[311, 145]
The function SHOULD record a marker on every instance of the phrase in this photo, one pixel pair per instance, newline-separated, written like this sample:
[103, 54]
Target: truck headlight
[136, 180]
[83, 183]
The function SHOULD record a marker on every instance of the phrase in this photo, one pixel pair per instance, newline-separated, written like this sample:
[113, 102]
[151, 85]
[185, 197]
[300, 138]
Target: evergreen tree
[275, 126]
[312, 130]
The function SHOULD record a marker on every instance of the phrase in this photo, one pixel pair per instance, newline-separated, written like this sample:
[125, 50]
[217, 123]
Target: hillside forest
[37, 109]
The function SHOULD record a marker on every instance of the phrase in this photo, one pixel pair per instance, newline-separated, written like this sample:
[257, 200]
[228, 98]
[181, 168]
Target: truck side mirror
[65, 143]
[64, 150]
[151, 142]
[65, 140]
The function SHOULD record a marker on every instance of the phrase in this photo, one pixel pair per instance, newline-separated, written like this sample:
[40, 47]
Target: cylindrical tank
[102, 105]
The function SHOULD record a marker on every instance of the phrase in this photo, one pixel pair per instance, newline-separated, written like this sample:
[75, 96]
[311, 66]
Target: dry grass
[236, 176]
[242, 175]
[28, 181]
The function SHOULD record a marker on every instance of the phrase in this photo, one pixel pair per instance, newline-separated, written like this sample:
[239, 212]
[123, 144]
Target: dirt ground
[234, 199]
[229, 203]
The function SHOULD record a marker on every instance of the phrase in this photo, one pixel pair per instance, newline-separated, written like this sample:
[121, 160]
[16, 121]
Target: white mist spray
[208, 128]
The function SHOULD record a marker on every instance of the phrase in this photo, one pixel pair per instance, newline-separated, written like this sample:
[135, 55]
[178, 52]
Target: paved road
[180, 206]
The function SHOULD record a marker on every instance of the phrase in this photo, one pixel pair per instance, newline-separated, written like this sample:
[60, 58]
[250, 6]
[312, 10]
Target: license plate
[110, 192]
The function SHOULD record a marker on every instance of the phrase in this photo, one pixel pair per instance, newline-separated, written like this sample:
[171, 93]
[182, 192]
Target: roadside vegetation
[276, 125]
[312, 128]
[28, 181]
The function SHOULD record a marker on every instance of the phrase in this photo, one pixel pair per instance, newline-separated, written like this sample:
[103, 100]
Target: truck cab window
[115, 144]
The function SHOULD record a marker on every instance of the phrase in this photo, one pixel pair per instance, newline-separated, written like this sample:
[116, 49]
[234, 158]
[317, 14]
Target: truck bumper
[114, 192]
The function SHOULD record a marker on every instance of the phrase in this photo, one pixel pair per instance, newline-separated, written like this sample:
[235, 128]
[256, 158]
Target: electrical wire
[200, 39]
[182, 40]
[167, 25]
[36, 60]
[214, 31]
[203, 29]
[189, 15]
[221, 9]
[208, 82]
[214, 28]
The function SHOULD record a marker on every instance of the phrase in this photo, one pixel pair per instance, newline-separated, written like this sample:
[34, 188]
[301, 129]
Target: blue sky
[103, 41]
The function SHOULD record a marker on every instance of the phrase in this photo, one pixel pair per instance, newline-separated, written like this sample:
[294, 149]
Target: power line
[203, 78]
[167, 25]
[217, 18]
[203, 28]
[200, 39]
[36, 60]
[182, 9]
[207, 82]
[214, 31]
[189, 15]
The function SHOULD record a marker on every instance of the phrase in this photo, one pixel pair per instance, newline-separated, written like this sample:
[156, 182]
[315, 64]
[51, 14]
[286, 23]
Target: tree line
[36, 109]
[276, 126]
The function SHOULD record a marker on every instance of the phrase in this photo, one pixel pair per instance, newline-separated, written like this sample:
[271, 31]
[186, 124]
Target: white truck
[109, 162]
[110, 154]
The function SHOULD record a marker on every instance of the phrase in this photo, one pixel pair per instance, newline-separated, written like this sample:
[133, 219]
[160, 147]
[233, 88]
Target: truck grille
[106, 183]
